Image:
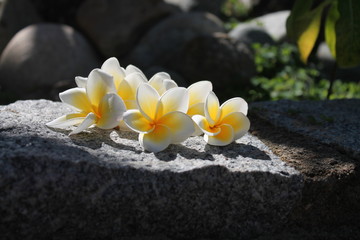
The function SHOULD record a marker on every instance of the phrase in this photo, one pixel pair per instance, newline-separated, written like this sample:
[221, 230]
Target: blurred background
[241, 46]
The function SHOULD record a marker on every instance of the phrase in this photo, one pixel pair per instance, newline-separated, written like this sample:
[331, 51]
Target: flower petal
[125, 92]
[225, 137]
[175, 99]
[77, 98]
[137, 122]
[123, 126]
[98, 85]
[239, 122]
[134, 80]
[203, 124]
[80, 81]
[198, 92]
[234, 105]
[157, 140]
[196, 109]
[157, 82]
[197, 131]
[132, 69]
[147, 99]
[88, 121]
[180, 125]
[111, 110]
[212, 109]
[131, 104]
[112, 67]
[67, 120]
[168, 83]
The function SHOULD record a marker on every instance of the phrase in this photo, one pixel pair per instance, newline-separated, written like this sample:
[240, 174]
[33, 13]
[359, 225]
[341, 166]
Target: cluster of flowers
[160, 111]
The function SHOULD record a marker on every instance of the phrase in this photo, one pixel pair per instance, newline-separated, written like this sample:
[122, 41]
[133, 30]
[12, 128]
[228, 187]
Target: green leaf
[348, 33]
[330, 32]
[303, 25]
[299, 9]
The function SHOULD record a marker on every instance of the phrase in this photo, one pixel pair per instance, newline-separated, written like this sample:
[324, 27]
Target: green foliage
[232, 11]
[303, 25]
[342, 28]
[281, 75]
[348, 33]
[234, 8]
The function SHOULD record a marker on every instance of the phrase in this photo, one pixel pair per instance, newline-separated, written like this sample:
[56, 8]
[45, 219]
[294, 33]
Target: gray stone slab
[100, 184]
[333, 122]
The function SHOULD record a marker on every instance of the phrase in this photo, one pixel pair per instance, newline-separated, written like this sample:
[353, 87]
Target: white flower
[223, 124]
[96, 103]
[197, 95]
[128, 80]
[160, 120]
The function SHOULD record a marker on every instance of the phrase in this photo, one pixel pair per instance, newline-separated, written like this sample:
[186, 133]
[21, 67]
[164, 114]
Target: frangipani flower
[97, 103]
[161, 81]
[223, 124]
[160, 120]
[197, 95]
[128, 80]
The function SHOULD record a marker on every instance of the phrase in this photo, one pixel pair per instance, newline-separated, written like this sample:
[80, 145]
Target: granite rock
[41, 55]
[273, 23]
[115, 26]
[166, 40]
[213, 6]
[249, 34]
[332, 122]
[228, 65]
[58, 11]
[100, 184]
[15, 15]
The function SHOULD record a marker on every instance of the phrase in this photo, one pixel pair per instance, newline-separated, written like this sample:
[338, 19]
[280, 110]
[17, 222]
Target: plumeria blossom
[197, 95]
[127, 80]
[223, 124]
[160, 111]
[160, 119]
[96, 103]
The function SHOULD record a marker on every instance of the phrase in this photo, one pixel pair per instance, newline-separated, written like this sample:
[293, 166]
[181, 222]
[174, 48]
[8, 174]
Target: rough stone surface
[41, 55]
[100, 184]
[15, 15]
[330, 204]
[59, 11]
[216, 58]
[115, 26]
[335, 122]
[249, 34]
[166, 40]
[213, 6]
[274, 24]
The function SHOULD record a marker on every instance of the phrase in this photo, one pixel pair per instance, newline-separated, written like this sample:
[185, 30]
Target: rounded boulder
[41, 55]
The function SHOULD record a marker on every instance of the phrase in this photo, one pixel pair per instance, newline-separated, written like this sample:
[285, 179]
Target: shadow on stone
[235, 150]
[171, 152]
[94, 138]
[331, 177]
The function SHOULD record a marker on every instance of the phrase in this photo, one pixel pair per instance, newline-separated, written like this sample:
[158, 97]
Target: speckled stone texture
[333, 122]
[102, 185]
